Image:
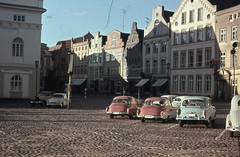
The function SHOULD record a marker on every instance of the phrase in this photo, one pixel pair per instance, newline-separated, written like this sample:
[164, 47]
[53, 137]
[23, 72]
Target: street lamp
[233, 52]
[36, 66]
[70, 69]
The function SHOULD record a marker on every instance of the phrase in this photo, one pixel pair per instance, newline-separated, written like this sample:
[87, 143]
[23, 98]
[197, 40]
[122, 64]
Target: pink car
[157, 108]
[122, 106]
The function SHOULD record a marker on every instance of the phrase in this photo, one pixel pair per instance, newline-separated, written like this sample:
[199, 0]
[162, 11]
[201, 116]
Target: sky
[64, 20]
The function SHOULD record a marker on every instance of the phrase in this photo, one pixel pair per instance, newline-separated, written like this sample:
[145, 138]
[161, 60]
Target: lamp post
[36, 66]
[70, 68]
[233, 52]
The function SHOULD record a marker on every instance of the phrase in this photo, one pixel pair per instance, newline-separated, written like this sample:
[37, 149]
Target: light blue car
[196, 109]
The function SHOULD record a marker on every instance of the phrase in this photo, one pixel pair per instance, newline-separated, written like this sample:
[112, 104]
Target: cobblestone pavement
[86, 131]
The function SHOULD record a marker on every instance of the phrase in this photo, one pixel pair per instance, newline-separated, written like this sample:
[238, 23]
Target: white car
[233, 118]
[58, 99]
[196, 109]
[177, 101]
[170, 97]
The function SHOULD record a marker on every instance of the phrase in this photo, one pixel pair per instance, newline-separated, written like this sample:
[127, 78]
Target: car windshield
[154, 102]
[57, 96]
[193, 103]
[124, 101]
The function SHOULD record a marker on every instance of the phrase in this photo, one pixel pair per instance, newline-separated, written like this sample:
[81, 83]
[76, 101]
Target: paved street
[85, 130]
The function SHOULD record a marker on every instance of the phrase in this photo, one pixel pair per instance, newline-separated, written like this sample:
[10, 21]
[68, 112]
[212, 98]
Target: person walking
[219, 94]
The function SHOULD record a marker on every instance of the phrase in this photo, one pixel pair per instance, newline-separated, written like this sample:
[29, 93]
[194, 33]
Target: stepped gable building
[156, 53]
[132, 60]
[20, 33]
[194, 45]
[113, 62]
[96, 63]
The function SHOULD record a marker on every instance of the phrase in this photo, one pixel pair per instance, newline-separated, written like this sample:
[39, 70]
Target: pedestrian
[219, 94]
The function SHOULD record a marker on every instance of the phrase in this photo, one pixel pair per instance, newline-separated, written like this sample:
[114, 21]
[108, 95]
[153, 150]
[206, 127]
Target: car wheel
[111, 116]
[166, 120]
[142, 120]
[180, 123]
[231, 133]
[130, 116]
[32, 105]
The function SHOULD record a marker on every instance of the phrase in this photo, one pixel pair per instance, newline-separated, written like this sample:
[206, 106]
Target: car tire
[130, 116]
[111, 116]
[180, 123]
[142, 120]
[231, 133]
[32, 105]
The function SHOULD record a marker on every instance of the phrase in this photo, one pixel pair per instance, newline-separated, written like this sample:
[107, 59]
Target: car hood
[118, 107]
[151, 110]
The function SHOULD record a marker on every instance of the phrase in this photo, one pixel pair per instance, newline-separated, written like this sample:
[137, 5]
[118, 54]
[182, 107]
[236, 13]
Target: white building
[20, 33]
[193, 47]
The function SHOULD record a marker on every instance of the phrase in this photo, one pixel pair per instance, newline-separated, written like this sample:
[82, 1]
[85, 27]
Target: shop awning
[141, 82]
[78, 81]
[159, 82]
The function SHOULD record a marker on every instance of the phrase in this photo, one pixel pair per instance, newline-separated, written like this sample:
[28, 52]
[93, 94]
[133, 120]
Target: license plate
[191, 115]
[116, 112]
[148, 116]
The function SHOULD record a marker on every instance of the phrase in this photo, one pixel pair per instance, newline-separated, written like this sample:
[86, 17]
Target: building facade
[20, 33]
[156, 52]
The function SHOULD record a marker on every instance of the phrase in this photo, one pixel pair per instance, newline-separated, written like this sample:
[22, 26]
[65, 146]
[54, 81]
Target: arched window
[17, 47]
[163, 66]
[16, 83]
[155, 66]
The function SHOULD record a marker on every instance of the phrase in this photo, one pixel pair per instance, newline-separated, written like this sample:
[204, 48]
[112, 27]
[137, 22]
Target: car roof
[122, 97]
[155, 98]
[195, 97]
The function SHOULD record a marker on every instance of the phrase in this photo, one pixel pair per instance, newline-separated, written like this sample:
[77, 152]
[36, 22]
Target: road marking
[220, 135]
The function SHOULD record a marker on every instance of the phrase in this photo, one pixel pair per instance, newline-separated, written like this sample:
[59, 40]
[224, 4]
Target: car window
[193, 103]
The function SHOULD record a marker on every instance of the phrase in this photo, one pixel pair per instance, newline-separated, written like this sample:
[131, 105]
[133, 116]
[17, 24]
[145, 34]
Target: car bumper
[150, 117]
[117, 113]
[193, 118]
[233, 128]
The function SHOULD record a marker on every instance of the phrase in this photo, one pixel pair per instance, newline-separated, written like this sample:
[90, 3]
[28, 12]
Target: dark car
[41, 98]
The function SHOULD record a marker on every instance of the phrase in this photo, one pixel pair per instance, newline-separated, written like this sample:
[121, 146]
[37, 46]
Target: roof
[223, 4]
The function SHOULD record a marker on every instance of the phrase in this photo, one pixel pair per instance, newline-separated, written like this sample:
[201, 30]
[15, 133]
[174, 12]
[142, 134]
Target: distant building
[20, 36]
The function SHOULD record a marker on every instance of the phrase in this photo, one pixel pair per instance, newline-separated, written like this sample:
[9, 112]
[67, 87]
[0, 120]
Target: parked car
[41, 98]
[123, 106]
[170, 97]
[177, 101]
[196, 109]
[157, 108]
[58, 100]
[233, 118]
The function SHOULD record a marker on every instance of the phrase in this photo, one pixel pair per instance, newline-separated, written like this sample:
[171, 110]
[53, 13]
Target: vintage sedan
[122, 106]
[196, 109]
[170, 97]
[233, 118]
[41, 98]
[157, 108]
[177, 101]
[58, 100]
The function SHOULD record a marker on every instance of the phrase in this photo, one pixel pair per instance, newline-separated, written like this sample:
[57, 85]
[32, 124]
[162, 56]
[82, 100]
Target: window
[48, 62]
[20, 18]
[223, 35]
[17, 47]
[175, 83]
[107, 57]
[147, 66]
[183, 83]
[176, 38]
[148, 48]
[190, 83]
[208, 57]
[191, 35]
[200, 34]
[183, 59]
[234, 32]
[184, 37]
[164, 46]
[155, 66]
[156, 28]
[175, 60]
[199, 84]
[190, 59]
[208, 83]
[184, 17]
[155, 48]
[113, 41]
[163, 66]
[16, 83]
[200, 14]
[209, 32]
[191, 16]
[199, 58]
